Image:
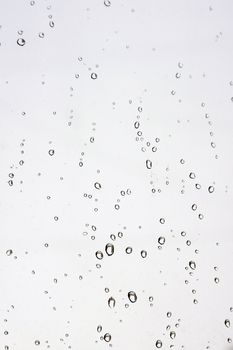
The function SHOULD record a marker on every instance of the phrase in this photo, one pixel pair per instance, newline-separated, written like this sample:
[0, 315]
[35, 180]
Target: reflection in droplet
[93, 76]
[111, 302]
[107, 337]
[161, 240]
[192, 265]
[172, 335]
[132, 297]
[109, 249]
[97, 185]
[143, 253]
[99, 255]
[21, 42]
[158, 344]
[148, 164]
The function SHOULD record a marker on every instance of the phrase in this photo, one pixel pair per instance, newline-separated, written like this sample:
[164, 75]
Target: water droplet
[132, 297]
[227, 323]
[37, 342]
[211, 189]
[51, 152]
[99, 328]
[143, 253]
[9, 252]
[111, 302]
[169, 314]
[107, 337]
[178, 75]
[93, 76]
[128, 250]
[192, 265]
[192, 176]
[158, 344]
[21, 42]
[148, 164]
[99, 255]
[172, 335]
[162, 220]
[161, 240]
[107, 3]
[97, 185]
[109, 249]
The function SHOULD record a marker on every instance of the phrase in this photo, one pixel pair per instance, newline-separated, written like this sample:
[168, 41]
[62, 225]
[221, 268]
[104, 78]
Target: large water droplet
[109, 249]
[132, 297]
[111, 302]
[158, 344]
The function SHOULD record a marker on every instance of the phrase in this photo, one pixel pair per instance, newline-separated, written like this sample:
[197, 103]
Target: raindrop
[128, 250]
[99, 255]
[211, 189]
[9, 252]
[97, 185]
[227, 323]
[161, 240]
[93, 76]
[99, 328]
[158, 344]
[37, 342]
[143, 253]
[21, 42]
[172, 335]
[162, 221]
[132, 297]
[111, 302]
[51, 152]
[148, 164]
[192, 265]
[107, 337]
[109, 249]
[107, 3]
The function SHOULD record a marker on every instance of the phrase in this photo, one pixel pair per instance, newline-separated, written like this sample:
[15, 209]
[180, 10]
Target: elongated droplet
[132, 297]
[107, 337]
[158, 344]
[109, 249]
[192, 265]
[111, 302]
[148, 164]
[227, 323]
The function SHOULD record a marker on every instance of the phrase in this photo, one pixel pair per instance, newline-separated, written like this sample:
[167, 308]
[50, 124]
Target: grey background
[48, 100]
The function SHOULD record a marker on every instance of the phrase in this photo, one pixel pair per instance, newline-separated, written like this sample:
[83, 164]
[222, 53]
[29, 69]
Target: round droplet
[161, 240]
[227, 323]
[211, 189]
[109, 249]
[158, 344]
[97, 185]
[111, 302]
[136, 125]
[192, 176]
[51, 152]
[9, 252]
[128, 250]
[162, 220]
[143, 253]
[132, 297]
[107, 337]
[21, 42]
[99, 255]
[194, 207]
[169, 314]
[178, 75]
[37, 342]
[148, 164]
[192, 265]
[93, 76]
[107, 3]
[172, 335]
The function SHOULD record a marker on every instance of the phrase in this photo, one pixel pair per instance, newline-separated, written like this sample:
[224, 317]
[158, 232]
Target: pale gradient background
[135, 48]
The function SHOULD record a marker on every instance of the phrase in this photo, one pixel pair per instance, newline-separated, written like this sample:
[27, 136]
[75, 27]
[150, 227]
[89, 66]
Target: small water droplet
[21, 42]
[148, 164]
[227, 323]
[161, 240]
[111, 302]
[107, 337]
[158, 344]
